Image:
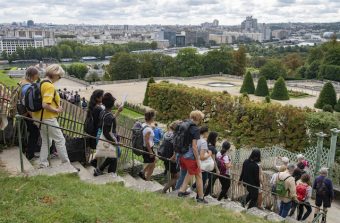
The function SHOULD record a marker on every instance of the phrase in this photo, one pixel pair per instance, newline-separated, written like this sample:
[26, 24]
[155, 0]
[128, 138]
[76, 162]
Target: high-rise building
[215, 23]
[249, 25]
[30, 23]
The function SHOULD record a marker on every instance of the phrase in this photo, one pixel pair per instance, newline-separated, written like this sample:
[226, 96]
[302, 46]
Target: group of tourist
[73, 98]
[188, 150]
[291, 186]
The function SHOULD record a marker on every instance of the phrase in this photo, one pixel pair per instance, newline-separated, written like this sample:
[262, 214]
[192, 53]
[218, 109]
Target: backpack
[33, 98]
[321, 188]
[181, 141]
[89, 126]
[72, 99]
[221, 165]
[166, 149]
[301, 191]
[21, 108]
[280, 188]
[77, 98]
[84, 104]
[137, 138]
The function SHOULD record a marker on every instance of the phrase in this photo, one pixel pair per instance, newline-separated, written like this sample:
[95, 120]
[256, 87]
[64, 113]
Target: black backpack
[321, 188]
[166, 149]
[33, 98]
[77, 98]
[89, 126]
[137, 138]
[182, 139]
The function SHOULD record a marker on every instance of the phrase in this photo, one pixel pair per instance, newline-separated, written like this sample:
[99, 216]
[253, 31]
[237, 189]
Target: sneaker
[97, 172]
[183, 194]
[114, 175]
[141, 175]
[54, 156]
[201, 200]
[42, 166]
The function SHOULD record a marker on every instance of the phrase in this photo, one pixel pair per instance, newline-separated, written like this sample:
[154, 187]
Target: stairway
[11, 161]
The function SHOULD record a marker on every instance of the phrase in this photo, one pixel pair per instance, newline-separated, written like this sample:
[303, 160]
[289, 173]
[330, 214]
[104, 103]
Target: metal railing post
[20, 145]
[331, 155]
[48, 146]
[319, 148]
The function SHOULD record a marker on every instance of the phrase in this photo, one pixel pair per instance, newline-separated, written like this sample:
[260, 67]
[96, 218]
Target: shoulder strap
[286, 178]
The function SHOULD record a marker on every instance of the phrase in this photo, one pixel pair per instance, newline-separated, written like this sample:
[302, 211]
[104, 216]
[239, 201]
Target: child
[304, 193]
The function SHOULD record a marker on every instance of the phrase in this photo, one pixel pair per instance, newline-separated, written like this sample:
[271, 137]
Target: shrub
[262, 87]
[330, 72]
[327, 96]
[280, 91]
[146, 96]
[327, 108]
[267, 99]
[337, 106]
[248, 84]
[273, 69]
[246, 123]
[78, 70]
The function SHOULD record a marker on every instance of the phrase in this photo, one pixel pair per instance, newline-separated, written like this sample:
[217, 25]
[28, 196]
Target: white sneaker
[114, 175]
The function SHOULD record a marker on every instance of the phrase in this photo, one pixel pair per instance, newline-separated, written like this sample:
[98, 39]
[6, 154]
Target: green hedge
[244, 123]
[330, 72]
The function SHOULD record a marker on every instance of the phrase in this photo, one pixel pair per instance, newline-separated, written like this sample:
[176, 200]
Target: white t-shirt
[152, 135]
[202, 144]
[225, 159]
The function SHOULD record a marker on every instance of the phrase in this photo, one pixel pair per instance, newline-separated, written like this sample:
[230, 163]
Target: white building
[10, 45]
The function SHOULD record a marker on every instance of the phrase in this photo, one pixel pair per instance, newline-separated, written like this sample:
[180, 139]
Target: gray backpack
[137, 138]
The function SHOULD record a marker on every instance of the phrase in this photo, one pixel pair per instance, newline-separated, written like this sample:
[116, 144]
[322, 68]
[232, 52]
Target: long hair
[225, 147]
[255, 155]
[93, 100]
[212, 138]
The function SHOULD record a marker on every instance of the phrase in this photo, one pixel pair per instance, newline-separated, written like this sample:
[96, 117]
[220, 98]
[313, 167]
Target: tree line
[75, 50]
[187, 63]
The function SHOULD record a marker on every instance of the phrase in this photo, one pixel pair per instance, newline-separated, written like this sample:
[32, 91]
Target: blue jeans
[180, 180]
[284, 209]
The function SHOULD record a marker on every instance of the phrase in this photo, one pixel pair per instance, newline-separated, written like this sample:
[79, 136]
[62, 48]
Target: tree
[315, 53]
[273, 69]
[153, 45]
[146, 96]
[313, 70]
[93, 76]
[78, 70]
[189, 62]
[66, 51]
[293, 61]
[123, 66]
[21, 53]
[216, 61]
[280, 90]
[337, 106]
[262, 87]
[4, 55]
[240, 61]
[327, 96]
[248, 84]
[302, 72]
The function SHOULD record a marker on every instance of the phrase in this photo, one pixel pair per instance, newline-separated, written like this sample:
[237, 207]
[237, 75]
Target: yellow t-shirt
[49, 96]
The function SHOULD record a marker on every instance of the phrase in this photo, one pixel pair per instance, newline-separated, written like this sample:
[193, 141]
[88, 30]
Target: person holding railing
[109, 125]
[31, 76]
[48, 116]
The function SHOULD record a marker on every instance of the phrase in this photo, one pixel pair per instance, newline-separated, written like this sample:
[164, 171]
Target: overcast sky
[139, 12]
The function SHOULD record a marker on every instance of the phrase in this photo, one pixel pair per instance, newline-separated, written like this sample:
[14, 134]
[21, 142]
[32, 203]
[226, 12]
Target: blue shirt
[328, 184]
[24, 88]
[158, 135]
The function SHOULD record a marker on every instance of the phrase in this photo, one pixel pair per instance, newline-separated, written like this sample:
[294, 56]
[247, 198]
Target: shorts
[173, 167]
[323, 200]
[190, 166]
[147, 158]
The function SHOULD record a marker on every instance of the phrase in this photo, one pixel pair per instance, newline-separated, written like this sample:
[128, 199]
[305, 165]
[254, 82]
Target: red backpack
[301, 191]
[221, 165]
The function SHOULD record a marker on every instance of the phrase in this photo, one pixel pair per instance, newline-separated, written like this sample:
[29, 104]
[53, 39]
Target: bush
[327, 96]
[327, 108]
[262, 87]
[280, 91]
[248, 84]
[78, 70]
[337, 106]
[246, 123]
[146, 96]
[267, 99]
[273, 69]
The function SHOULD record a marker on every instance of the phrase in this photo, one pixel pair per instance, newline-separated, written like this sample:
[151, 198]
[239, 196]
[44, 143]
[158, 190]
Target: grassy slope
[6, 79]
[67, 199]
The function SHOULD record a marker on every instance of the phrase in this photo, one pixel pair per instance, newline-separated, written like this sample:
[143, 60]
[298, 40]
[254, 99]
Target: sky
[168, 12]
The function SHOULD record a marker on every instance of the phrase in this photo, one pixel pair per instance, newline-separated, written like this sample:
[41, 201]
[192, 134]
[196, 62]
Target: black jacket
[250, 173]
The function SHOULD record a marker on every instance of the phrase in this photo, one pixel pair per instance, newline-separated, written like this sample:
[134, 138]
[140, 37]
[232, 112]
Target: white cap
[300, 156]
[285, 160]
[323, 170]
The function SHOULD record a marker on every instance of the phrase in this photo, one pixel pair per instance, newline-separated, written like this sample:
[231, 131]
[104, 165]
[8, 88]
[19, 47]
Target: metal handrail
[19, 117]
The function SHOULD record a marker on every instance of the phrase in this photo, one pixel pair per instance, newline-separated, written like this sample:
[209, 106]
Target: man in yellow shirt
[49, 113]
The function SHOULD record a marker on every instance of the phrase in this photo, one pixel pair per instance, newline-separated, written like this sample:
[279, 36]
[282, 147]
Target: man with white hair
[324, 192]
[283, 160]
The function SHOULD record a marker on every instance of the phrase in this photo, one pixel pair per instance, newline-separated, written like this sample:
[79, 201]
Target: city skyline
[172, 12]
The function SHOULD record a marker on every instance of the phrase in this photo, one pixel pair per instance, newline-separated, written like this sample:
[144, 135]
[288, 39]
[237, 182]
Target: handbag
[106, 149]
[208, 164]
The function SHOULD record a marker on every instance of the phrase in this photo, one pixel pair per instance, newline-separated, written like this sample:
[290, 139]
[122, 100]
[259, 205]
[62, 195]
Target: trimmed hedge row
[244, 123]
[330, 72]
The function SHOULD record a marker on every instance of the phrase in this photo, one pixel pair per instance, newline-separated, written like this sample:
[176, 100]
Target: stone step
[141, 185]
[55, 168]
[10, 158]
[257, 212]
[233, 206]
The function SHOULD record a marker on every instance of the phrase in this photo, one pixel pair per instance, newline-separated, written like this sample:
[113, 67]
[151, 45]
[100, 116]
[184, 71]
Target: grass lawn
[5, 79]
[294, 94]
[65, 198]
[131, 114]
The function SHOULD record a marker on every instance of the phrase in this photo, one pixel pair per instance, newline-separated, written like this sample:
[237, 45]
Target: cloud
[168, 11]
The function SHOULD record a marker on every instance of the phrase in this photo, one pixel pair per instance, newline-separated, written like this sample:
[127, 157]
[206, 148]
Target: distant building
[195, 38]
[30, 23]
[162, 44]
[280, 34]
[180, 40]
[168, 35]
[214, 24]
[249, 25]
[10, 44]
